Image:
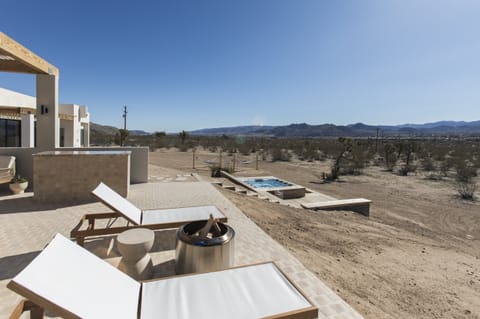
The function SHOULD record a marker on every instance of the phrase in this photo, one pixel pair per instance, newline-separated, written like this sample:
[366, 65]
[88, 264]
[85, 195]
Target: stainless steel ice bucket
[194, 254]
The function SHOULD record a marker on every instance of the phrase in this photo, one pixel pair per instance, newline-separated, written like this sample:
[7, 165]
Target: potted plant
[18, 184]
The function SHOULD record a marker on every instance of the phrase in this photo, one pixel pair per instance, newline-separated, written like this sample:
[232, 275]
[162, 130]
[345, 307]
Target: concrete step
[252, 194]
[240, 190]
[229, 187]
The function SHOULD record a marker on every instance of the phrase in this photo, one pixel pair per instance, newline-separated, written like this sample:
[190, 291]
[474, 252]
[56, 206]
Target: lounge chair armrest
[36, 312]
[89, 221]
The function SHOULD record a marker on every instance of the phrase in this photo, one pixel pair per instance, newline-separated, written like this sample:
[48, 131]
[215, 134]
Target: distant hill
[138, 132]
[352, 130]
[102, 129]
[235, 130]
[111, 130]
[442, 128]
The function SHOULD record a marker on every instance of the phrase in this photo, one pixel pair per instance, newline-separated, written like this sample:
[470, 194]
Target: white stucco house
[18, 127]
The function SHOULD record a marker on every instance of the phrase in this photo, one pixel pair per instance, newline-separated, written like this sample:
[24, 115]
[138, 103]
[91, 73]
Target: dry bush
[467, 190]
[280, 154]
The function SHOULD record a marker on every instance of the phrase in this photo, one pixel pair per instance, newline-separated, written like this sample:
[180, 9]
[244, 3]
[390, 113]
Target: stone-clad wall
[24, 160]
[71, 176]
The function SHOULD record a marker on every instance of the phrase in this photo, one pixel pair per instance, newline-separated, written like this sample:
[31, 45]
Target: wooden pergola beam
[14, 57]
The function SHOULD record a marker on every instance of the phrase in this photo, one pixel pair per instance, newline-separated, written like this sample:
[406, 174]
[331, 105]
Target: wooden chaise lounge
[153, 219]
[69, 281]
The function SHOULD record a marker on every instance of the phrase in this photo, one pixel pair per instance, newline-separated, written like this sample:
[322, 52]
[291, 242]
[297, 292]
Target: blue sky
[210, 63]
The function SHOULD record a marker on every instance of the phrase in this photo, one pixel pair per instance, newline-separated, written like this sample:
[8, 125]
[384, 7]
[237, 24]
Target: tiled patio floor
[26, 227]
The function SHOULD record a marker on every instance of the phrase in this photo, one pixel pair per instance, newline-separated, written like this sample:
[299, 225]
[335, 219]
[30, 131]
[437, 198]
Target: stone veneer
[70, 176]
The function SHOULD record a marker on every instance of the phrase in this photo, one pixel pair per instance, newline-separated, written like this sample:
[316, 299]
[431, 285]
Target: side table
[134, 245]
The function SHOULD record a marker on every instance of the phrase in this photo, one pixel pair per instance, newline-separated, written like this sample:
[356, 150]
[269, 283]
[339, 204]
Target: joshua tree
[390, 157]
[183, 136]
[346, 148]
[409, 148]
[123, 136]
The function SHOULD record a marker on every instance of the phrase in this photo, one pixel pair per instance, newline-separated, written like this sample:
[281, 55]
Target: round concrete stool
[134, 245]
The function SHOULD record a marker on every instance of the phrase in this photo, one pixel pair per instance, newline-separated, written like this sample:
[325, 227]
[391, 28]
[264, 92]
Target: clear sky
[209, 63]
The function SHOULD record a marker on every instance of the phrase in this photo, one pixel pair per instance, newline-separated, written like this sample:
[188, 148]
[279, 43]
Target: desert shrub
[428, 164]
[215, 170]
[467, 189]
[357, 158]
[280, 154]
[183, 147]
[465, 173]
[434, 176]
[407, 168]
[244, 149]
[446, 166]
[309, 154]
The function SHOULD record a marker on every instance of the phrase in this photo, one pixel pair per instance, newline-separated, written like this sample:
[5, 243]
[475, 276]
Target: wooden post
[194, 158]
[234, 161]
[220, 160]
[256, 160]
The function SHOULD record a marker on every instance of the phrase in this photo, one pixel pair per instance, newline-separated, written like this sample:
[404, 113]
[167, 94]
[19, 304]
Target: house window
[62, 137]
[10, 133]
[82, 136]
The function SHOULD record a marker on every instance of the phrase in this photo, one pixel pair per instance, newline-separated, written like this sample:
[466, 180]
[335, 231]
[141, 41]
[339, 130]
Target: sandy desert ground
[416, 256]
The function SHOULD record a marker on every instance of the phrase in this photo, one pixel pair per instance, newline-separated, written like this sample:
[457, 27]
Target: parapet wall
[138, 160]
[70, 176]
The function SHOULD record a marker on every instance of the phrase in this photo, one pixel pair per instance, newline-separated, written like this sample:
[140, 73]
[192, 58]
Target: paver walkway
[26, 227]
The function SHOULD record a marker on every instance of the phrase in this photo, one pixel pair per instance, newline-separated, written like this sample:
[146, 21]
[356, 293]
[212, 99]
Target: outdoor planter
[18, 188]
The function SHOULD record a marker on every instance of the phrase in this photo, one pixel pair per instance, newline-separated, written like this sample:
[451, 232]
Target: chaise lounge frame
[86, 227]
[37, 304]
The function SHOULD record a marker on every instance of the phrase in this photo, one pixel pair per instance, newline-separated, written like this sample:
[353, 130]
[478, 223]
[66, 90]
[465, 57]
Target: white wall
[47, 118]
[72, 127]
[28, 130]
[14, 99]
[47, 135]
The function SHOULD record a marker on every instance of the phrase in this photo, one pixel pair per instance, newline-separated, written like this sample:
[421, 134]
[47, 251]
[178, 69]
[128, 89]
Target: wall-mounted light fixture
[43, 109]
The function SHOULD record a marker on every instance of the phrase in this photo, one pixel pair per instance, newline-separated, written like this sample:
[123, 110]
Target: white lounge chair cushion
[118, 203]
[184, 214]
[249, 292]
[7, 170]
[78, 281]
[7, 161]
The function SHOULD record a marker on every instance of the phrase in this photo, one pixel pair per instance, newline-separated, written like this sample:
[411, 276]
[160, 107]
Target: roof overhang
[14, 57]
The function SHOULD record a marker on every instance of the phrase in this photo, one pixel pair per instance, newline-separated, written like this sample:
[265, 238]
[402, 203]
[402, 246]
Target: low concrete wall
[138, 160]
[70, 176]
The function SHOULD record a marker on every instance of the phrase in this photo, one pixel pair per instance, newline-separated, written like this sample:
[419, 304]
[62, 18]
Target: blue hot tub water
[266, 183]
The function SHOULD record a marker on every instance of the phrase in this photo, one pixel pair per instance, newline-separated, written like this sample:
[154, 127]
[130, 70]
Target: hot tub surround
[273, 185]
